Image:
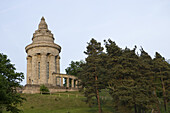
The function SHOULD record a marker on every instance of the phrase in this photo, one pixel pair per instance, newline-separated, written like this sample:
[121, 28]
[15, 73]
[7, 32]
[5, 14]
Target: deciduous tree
[9, 82]
[74, 67]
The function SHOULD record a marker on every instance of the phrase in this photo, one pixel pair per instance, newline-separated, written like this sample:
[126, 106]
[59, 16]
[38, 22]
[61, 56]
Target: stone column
[52, 78]
[61, 82]
[58, 80]
[34, 79]
[72, 83]
[76, 84]
[58, 64]
[28, 70]
[67, 81]
[43, 69]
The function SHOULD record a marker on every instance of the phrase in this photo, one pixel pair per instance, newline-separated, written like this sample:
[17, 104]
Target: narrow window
[47, 70]
[39, 70]
[55, 63]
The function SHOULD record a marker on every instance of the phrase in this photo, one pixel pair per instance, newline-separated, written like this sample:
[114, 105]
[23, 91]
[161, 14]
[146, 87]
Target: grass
[59, 103]
[62, 103]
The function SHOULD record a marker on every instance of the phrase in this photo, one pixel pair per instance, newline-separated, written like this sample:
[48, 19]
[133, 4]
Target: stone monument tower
[42, 57]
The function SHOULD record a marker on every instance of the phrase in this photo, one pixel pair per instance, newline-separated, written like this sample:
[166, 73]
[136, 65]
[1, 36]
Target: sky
[143, 23]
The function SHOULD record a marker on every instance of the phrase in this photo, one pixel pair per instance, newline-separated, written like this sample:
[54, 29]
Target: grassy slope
[37, 103]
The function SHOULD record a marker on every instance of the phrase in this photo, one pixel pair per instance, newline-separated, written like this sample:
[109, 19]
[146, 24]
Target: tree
[162, 77]
[135, 81]
[74, 67]
[123, 82]
[113, 54]
[9, 82]
[130, 79]
[90, 76]
[148, 75]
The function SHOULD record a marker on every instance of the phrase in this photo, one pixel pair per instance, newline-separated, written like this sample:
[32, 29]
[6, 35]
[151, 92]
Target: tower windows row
[47, 68]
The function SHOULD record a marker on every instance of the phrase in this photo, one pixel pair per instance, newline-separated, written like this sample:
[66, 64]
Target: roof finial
[42, 18]
[43, 24]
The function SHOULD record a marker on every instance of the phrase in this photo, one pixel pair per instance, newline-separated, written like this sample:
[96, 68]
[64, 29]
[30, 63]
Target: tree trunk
[139, 110]
[98, 99]
[1, 109]
[164, 95]
[135, 108]
[157, 100]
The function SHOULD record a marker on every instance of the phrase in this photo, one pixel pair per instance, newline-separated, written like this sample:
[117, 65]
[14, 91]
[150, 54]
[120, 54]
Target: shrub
[44, 89]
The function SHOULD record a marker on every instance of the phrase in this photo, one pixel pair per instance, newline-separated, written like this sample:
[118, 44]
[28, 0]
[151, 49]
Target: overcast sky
[143, 23]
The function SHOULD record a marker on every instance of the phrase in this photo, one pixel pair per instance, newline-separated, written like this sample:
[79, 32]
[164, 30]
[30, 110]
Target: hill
[64, 102]
[67, 102]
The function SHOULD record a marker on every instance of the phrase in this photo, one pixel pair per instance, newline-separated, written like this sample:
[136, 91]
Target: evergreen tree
[125, 90]
[148, 78]
[162, 77]
[90, 75]
[130, 79]
[135, 81]
[9, 82]
[112, 58]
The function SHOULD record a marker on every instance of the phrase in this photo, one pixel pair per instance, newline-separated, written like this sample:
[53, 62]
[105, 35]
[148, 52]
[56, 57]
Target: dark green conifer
[162, 77]
[90, 75]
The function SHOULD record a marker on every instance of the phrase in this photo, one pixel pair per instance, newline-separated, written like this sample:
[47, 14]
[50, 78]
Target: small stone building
[43, 63]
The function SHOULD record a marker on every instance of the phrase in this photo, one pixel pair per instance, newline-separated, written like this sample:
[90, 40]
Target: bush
[44, 89]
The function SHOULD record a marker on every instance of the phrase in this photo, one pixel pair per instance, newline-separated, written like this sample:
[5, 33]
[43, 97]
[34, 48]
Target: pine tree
[90, 75]
[148, 79]
[126, 86]
[112, 60]
[162, 77]
[130, 79]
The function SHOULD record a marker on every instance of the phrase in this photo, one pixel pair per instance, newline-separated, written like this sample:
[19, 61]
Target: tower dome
[43, 34]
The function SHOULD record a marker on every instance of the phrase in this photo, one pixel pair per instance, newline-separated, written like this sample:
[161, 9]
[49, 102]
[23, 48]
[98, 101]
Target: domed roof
[43, 37]
[42, 32]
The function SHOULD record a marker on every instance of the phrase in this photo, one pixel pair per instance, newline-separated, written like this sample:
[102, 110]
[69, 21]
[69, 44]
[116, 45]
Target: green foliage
[74, 67]
[9, 82]
[136, 82]
[90, 74]
[132, 79]
[162, 78]
[44, 89]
